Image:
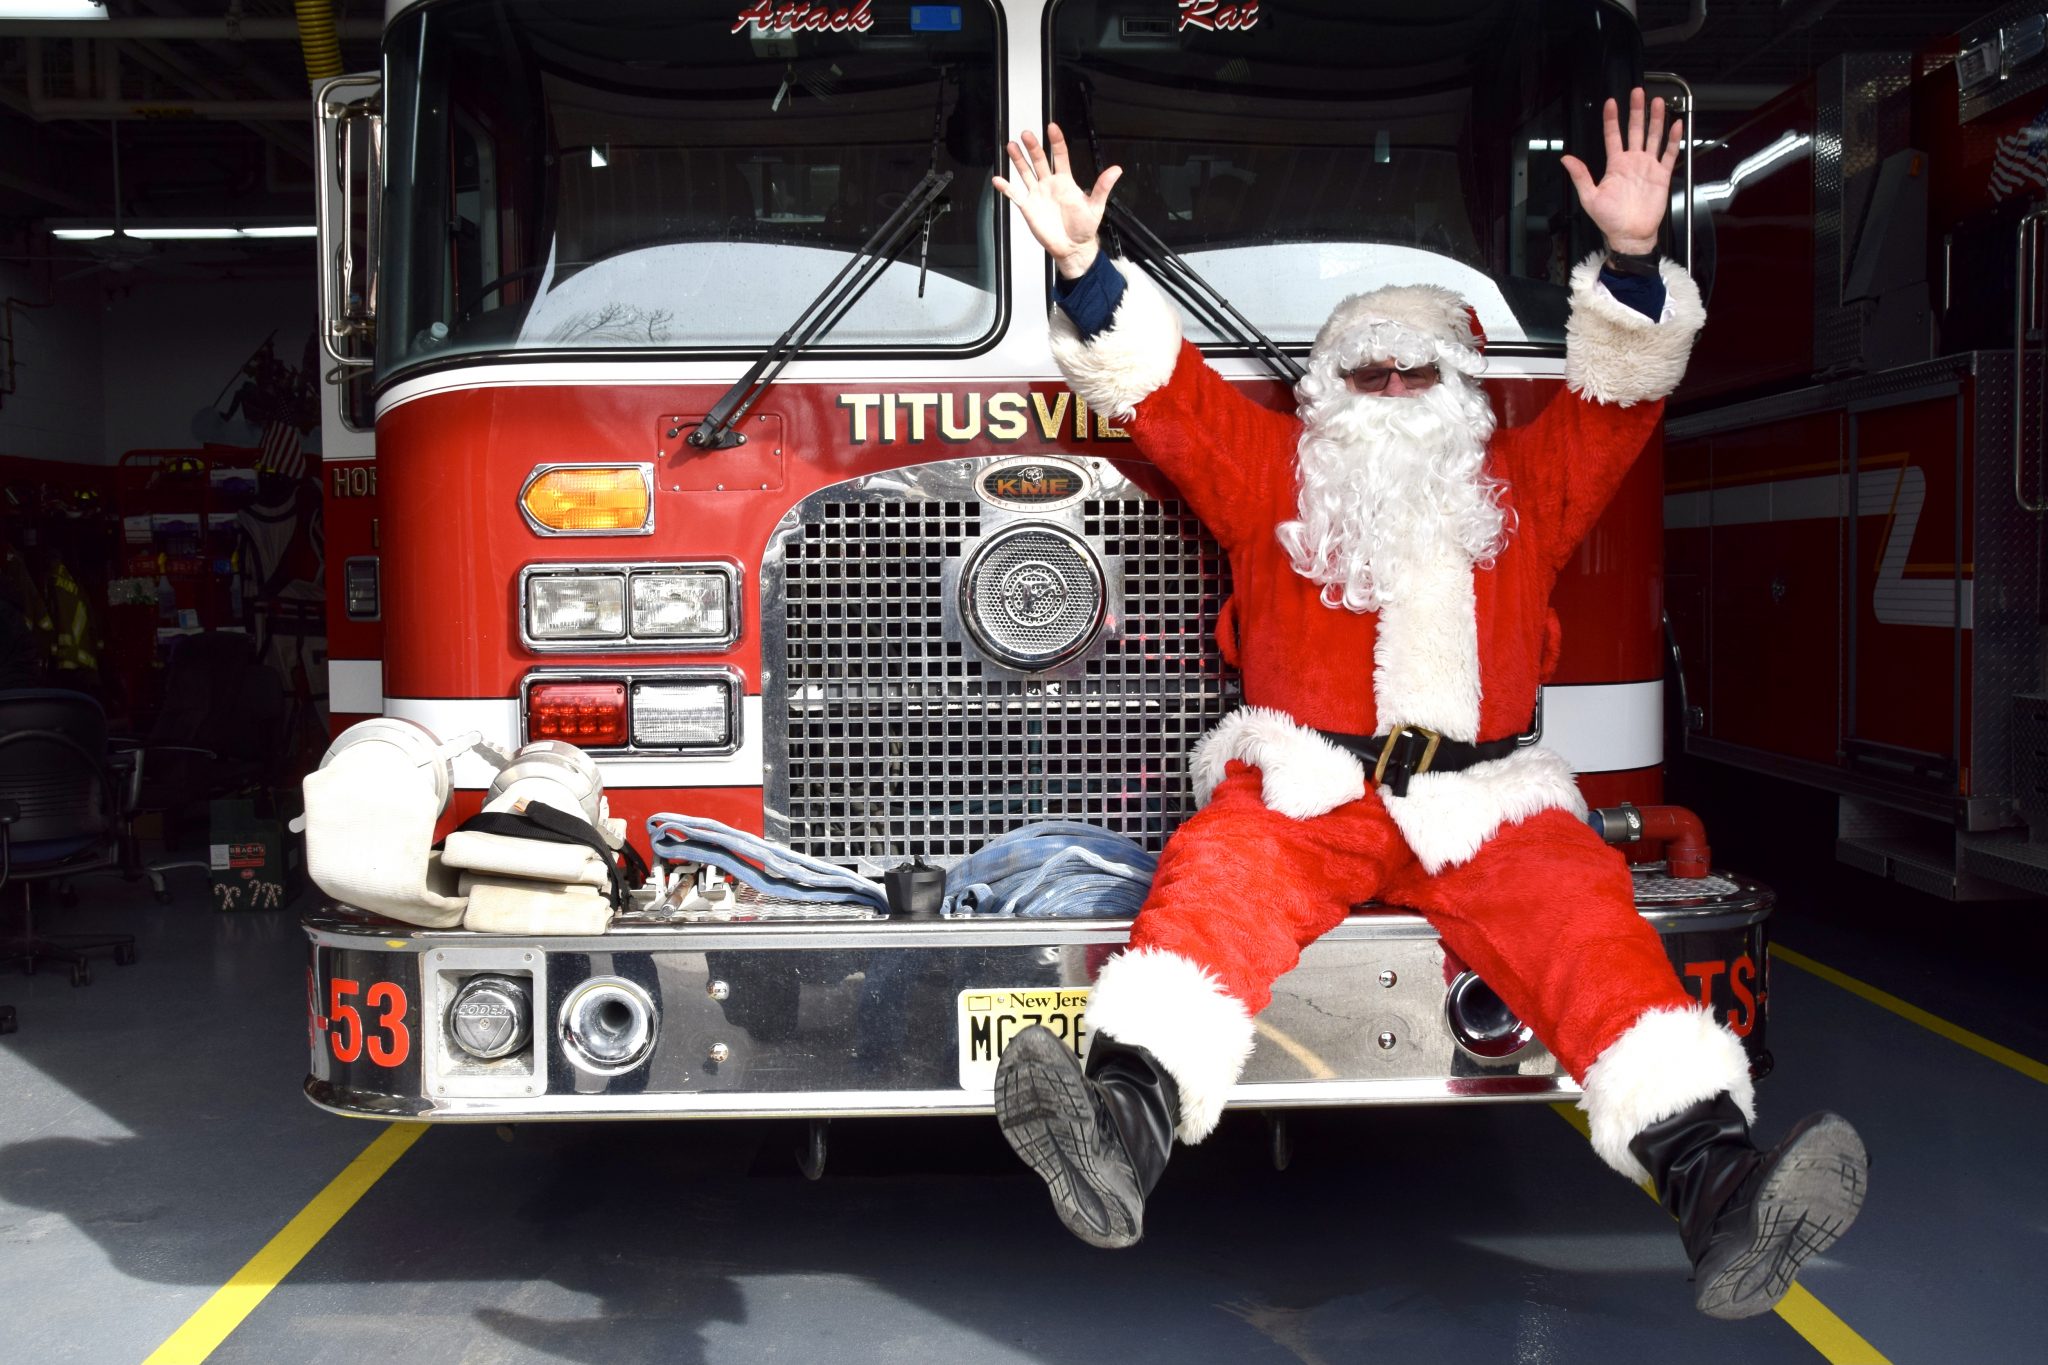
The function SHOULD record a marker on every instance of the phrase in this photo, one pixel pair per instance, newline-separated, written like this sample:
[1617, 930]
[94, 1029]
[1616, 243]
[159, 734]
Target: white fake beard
[1388, 482]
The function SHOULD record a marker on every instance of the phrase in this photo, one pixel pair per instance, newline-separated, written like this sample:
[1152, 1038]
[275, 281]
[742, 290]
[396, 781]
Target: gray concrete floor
[152, 1138]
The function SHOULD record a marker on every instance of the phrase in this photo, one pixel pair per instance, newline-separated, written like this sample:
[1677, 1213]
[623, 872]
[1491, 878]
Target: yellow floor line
[1312, 1064]
[1837, 1342]
[193, 1342]
[2004, 1056]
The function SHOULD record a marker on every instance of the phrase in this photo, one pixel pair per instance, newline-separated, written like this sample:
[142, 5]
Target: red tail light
[590, 715]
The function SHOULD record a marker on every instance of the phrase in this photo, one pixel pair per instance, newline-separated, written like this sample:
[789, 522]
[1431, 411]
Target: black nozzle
[915, 889]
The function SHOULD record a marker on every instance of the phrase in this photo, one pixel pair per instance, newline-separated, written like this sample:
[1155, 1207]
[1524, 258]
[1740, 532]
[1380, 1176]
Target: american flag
[281, 452]
[2020, 158]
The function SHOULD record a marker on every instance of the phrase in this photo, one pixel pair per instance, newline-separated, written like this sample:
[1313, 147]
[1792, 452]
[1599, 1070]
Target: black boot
[1099, 1139]
[1749, 1219]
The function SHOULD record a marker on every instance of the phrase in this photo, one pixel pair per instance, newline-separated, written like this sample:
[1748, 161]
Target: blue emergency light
[934, 18]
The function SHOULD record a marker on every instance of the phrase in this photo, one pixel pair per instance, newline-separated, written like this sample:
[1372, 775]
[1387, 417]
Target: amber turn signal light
[589, 499]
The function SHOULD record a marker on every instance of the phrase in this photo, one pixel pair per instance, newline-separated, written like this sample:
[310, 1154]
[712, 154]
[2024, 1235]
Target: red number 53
[346, 1035]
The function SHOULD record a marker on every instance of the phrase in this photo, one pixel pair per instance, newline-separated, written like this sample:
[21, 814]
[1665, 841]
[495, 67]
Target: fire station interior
[1845, 608]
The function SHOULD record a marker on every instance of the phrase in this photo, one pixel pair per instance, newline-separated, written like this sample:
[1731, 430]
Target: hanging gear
[1749, 1219]
[1098, 1137]
[19, 584]
[73, 651]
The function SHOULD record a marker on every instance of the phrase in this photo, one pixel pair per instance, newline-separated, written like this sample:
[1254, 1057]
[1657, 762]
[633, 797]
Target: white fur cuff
[1446, 817]
[1667, 1061]
[1613, 354]
[1120, 366]
[1303, 774]
[1179, 1012]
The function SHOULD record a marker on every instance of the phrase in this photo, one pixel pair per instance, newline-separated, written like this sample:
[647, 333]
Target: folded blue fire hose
[1058, 869]
[773, 871]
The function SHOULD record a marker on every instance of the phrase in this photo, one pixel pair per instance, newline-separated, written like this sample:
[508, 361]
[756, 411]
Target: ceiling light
[181, 234]
[53, 9]
[73, 230]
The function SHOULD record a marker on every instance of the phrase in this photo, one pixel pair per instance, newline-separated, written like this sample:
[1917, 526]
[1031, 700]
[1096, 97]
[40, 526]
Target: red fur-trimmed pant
[1545, 912]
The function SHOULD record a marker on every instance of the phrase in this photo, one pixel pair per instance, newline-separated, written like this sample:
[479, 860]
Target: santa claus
[1388, 520]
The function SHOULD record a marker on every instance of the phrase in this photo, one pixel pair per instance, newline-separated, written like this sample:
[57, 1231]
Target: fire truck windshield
[667, 175]
[1331, 146]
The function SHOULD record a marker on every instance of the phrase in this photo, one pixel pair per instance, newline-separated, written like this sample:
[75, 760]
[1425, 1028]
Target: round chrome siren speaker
[1033, 596]
[608, 1025]
[1481, 1022]
[490, 1017]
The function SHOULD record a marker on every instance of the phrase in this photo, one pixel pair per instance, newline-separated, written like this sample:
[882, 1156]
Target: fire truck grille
[891, 734]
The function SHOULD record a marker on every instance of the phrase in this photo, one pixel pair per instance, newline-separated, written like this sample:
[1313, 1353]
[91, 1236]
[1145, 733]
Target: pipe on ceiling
[317, 42]
[49, 110]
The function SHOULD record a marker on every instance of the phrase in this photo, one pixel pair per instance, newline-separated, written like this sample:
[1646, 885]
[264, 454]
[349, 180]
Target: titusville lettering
[1214, 16]
[1742, 984]
[893, 418]
[790, 16]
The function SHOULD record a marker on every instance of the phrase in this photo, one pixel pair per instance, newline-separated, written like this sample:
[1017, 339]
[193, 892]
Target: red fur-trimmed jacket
[1467, 649]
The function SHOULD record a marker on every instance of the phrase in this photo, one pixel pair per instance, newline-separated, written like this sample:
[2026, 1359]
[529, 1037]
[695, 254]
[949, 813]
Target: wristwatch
[1622, 263]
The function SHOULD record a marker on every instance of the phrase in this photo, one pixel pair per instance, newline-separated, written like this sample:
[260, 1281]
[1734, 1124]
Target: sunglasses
[1374, 378]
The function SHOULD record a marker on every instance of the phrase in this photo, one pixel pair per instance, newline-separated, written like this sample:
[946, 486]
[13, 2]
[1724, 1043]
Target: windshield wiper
[1180, 279]
[821, 314]
[1200, 297]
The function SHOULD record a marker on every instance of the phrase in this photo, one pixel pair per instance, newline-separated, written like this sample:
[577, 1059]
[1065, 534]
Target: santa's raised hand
[1061, 215]
[1628, 204]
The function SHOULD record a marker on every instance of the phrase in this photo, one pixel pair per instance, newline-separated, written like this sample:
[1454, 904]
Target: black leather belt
[1394, 758]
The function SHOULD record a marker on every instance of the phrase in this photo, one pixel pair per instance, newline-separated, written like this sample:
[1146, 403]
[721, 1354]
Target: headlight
[576, 607]
[684, 607]
[682, 715]
[681, 606]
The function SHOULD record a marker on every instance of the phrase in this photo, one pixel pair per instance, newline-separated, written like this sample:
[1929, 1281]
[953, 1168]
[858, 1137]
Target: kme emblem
[1037, 484]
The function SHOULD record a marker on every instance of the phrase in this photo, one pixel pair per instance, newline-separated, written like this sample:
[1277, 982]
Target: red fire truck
[715, 431]
[1854, 484]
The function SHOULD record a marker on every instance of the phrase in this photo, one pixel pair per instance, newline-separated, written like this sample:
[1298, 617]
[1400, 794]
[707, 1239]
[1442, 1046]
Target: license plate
[989, 1019]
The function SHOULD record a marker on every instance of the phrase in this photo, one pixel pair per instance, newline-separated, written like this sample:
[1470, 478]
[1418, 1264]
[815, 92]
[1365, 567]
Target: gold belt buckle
[1379, 771]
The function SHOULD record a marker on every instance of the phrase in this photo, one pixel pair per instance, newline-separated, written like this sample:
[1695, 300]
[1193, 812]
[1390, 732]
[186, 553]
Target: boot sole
[1804, 1206]
[1048, 1118]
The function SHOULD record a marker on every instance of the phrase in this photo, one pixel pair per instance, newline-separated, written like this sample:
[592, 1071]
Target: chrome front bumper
[864, 1018]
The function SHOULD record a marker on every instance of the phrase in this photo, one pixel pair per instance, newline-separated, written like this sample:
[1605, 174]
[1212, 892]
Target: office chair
[220, 733]
[60, 815]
